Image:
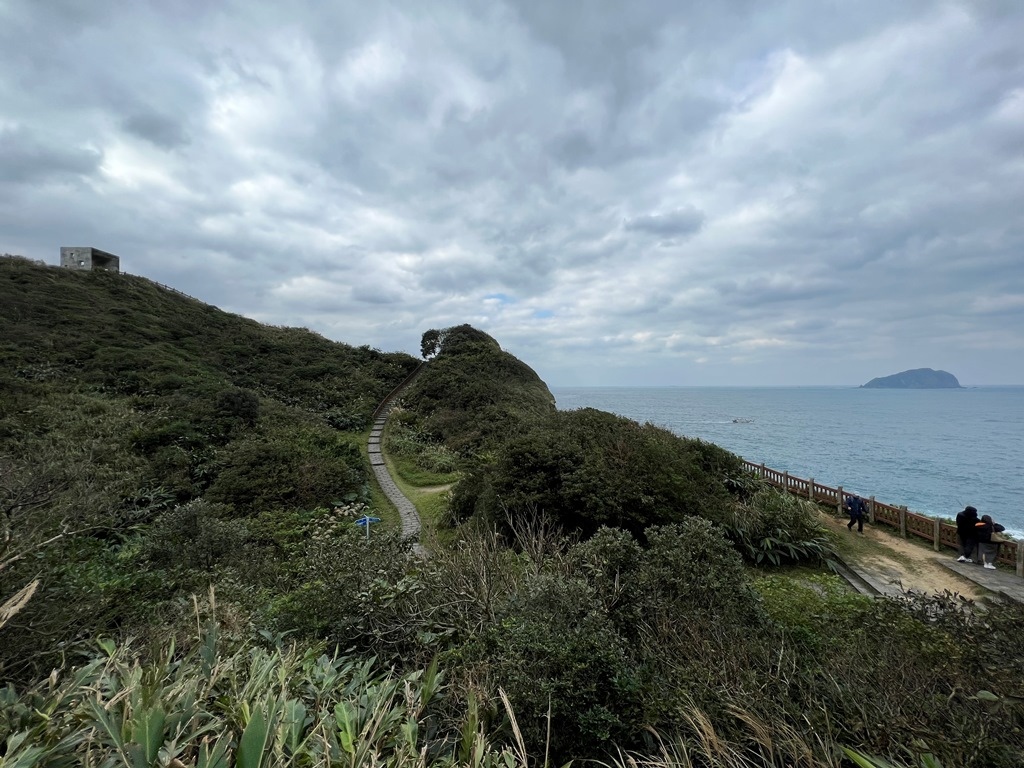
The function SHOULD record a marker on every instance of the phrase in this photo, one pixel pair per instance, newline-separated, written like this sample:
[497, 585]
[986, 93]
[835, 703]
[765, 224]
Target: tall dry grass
[250, 706]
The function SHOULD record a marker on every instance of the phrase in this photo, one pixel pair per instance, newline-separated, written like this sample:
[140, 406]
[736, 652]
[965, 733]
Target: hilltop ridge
[129, 336]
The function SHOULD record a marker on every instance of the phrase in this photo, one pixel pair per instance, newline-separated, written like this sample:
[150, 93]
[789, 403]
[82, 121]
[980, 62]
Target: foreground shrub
[349, 590]
[810, 610]
[197, 535]
[565, 669]
[936, 673]
[597, 639]
[776, 528]
[248, 706]
[298, 467]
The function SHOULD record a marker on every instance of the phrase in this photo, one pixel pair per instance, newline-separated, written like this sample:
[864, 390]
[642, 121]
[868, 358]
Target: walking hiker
[856, 508]
[965, 533]
[987, 548]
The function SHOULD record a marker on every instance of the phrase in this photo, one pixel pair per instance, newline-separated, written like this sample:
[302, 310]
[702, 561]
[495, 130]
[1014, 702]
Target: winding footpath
[406, 509]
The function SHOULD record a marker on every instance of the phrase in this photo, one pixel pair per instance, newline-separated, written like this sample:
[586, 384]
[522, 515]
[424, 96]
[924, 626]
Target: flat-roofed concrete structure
[74, 257]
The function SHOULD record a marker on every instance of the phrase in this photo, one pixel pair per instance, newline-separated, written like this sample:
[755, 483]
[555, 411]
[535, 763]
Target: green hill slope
[473, 393]
[125, 335]
[138, 427]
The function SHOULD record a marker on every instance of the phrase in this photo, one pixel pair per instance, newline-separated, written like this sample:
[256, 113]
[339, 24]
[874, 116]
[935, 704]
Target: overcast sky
[731, 193]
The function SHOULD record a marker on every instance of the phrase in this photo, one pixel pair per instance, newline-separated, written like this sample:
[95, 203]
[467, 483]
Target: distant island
[918, 378]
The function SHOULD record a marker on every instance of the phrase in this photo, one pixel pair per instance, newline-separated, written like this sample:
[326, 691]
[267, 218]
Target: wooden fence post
[1020, 558]
[936, 533]
[903, 521]
[785, 480]
[871, 510]
[762, 469]
[839, 500]
[810, 489]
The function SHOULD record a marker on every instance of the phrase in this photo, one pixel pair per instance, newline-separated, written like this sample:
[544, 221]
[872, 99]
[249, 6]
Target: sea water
[933, 450]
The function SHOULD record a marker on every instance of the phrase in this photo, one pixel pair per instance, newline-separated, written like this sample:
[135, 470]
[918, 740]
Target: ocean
[934, 450]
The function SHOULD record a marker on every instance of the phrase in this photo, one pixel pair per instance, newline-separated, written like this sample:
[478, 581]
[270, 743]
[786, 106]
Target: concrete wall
[74, 257]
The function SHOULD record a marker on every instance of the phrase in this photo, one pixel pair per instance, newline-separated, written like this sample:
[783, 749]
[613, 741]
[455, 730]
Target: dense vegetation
[592, 469]
[150, 444]
[478, 410]
[607, 585]
[473, 394]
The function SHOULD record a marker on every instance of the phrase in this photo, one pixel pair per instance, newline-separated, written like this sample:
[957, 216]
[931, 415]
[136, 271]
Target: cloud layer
[648, 193]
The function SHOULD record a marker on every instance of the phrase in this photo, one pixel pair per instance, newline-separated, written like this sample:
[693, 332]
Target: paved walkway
[867, 582]
[999, 581]
[406, 509]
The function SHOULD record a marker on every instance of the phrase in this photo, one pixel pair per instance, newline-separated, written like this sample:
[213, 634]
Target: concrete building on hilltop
[88, 258]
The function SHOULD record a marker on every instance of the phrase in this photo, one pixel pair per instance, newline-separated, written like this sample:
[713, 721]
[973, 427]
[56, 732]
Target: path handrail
[933, 529]
[391, 395]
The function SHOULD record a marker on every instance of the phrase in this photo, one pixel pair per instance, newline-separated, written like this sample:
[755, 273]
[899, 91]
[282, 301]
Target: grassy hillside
[125, 335]
[150, 443]
[471, 398]
[473, 393]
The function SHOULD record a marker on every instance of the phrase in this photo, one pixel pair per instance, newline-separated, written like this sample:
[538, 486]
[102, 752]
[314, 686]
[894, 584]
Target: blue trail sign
[366, 521]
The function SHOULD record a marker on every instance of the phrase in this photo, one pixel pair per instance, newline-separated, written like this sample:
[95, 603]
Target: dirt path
[893, 559]
[435, 488]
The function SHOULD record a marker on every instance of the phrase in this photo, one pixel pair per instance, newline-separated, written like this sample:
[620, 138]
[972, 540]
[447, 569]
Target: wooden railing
[382, 408]
[933, 529]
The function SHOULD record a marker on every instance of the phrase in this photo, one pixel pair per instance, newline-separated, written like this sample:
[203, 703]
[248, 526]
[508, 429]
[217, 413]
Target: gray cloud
[678, 223]
[161, 130]
[27, 158]
[752, 192]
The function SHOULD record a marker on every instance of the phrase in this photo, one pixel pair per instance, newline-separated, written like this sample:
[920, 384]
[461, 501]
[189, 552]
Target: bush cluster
[600, 645]
[588, 468]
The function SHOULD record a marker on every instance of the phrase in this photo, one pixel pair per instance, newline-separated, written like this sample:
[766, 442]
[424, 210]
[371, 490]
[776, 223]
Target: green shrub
[588, 468]
[197, 535]
[301, 467]
[240, 406]
[555, 654]
[347, 422]
[349, 589]
[806, 610]
[776, 528]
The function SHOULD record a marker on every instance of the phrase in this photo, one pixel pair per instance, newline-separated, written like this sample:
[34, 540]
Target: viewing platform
[998, 581]
[936, 531]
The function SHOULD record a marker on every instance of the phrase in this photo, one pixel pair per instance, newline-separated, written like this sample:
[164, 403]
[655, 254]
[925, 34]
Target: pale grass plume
[12, 605]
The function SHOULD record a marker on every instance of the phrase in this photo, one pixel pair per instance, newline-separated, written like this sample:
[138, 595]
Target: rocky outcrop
[918, 378]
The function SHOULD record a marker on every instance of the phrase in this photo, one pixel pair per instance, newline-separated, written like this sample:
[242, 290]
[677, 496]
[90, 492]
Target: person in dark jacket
[857, 509]
[987, 548]
[965, 533]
